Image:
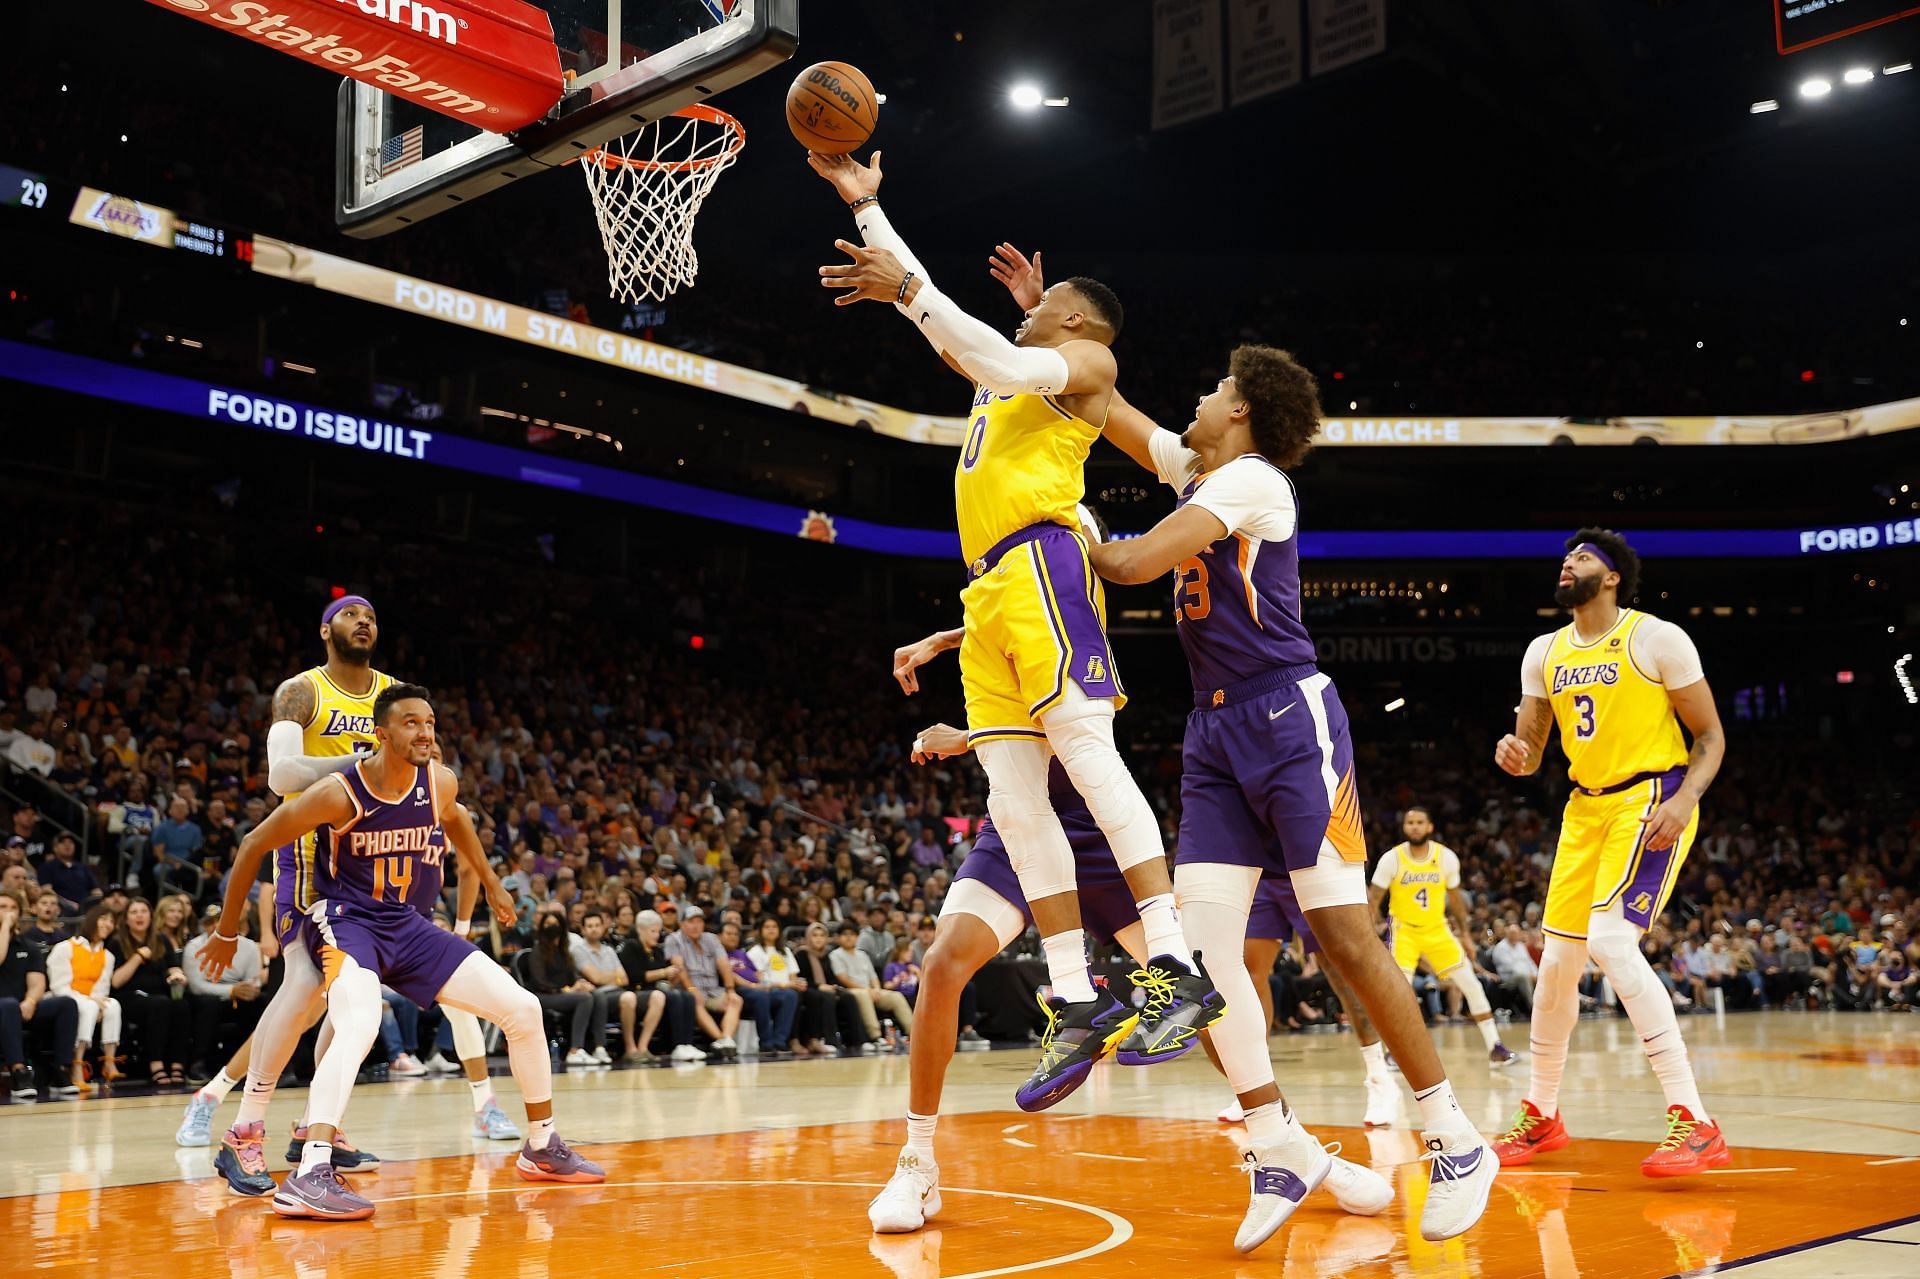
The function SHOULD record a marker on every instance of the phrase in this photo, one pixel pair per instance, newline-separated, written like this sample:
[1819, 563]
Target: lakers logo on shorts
[1096, 671]
[1641, 904]
[286, 921]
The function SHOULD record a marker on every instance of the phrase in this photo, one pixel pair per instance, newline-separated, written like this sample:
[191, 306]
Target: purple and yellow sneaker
[242, 1160]
[1181, 1002]
[320, 1195]
[557, 1161]
[1077, 1036]
[347, 1157]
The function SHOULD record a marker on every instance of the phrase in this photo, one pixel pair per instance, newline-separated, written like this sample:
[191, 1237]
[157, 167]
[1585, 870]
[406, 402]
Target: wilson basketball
[831, 108]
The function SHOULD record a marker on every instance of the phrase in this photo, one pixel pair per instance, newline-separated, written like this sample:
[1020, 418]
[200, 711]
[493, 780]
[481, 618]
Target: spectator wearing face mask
[548, 972]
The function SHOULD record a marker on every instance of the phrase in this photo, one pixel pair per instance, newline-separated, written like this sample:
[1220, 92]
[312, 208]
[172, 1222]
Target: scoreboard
[1801, 24]
[39, 194]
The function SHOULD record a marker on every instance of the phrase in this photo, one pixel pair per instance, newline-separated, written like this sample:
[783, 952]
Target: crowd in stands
[697, 845]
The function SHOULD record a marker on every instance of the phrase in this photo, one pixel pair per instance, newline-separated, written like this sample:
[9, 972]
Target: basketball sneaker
[557, 1161]
[347, 1157]
[196, 1128]
[1461, 1169]
[1283, 1175]
[492, 1123]
[1532, 1134]
[1499, 1057]
[1358, 1189]
[1181, 1002]
[1692, 1146]
[1077, 1036]
[910, 1196]
[1232, 1113]
[322, 1195]
[242, 1160]
[1383, 1102]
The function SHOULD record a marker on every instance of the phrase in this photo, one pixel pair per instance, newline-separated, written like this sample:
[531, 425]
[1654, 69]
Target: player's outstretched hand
[1023, 279]
[850, 178]
[1511, 755]
[911, 657]
[941, 741]
[505, 912]
[874, 275]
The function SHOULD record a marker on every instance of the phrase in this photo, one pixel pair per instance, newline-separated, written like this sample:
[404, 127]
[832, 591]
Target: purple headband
[1588, 547]
[343, 602]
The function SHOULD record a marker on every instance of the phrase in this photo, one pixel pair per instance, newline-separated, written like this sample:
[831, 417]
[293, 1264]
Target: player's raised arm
[1130, 431]
[318, 806]
[288, 770]
[1169, 544]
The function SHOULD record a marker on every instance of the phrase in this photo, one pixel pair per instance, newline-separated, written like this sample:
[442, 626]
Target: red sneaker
[1692, 1146]
[1532, 1134]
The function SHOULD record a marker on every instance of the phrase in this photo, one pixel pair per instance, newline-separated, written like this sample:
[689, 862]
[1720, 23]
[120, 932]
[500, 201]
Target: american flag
[398, 152]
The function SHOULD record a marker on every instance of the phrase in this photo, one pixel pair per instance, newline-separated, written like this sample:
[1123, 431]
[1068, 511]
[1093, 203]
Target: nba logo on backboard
[1096, 670]
[1641, 903]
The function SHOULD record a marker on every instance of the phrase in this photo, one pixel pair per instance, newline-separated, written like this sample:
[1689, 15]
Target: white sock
[217, 1088]
[253, 1101]
[1667, 1054]
[920, 1134]
[1161, 920]
[482, 1090]
[539, 1132]
[1268, 1125]
[1067, 965]
[1374, 1058]
[1488, 1032]
[1439, 1112]
[1615, 944]
[313, 1154]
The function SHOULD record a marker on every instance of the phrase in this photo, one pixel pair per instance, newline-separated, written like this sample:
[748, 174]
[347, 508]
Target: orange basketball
[831, 108]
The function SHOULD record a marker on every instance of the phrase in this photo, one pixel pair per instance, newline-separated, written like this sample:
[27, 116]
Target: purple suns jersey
[387, 860]
[1237, 603]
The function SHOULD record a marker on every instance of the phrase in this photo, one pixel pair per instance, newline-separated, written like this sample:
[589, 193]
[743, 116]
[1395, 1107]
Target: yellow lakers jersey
[1024, 462]
[1417, 888]
[342, 724]
[1615, 720]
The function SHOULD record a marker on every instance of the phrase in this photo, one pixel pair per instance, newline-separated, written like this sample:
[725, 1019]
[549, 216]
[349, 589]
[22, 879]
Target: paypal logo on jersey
[339, 722]
[1574, 676]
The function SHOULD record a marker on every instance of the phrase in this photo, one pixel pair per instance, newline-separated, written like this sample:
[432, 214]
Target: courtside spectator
[902, 973]
[67, 876]
[772, 1007]
[81, 968]
[46, 927]
[705, 972]
[829, 1014]
[855, 972]
[652, 973]
[150, 985]
[28, 1014]
[176, 846]
[224, 1011]
[549, 973]
[598, 963]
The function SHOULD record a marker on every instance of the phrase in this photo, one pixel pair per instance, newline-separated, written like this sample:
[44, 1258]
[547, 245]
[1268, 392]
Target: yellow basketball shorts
[1603, 857]
[1035, 620]
[1437, 945]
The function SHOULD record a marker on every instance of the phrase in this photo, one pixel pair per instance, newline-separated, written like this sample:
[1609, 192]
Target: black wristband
[900, 298]
[857, 205]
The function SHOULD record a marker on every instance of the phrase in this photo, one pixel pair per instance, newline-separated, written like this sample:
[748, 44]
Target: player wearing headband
[1620, 684]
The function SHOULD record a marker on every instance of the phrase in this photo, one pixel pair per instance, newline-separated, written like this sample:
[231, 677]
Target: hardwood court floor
[766, 1169]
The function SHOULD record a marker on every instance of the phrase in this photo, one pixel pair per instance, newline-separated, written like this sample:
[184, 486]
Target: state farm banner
[1187, 75]
[490, 62]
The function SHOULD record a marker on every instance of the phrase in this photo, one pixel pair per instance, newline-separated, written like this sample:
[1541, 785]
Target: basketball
[831, 108]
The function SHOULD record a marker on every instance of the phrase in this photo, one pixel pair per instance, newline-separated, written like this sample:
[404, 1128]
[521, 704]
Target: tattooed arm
[288, 770]
[1521, 751]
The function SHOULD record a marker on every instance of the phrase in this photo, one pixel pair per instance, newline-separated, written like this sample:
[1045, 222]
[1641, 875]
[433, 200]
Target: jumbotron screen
[1801, 24]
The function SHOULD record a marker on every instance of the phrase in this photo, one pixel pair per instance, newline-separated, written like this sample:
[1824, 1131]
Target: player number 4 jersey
[1609, 696]
[1417, 887]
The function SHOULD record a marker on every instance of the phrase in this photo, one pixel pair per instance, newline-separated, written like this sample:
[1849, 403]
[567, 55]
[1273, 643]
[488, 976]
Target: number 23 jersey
[1609, 696]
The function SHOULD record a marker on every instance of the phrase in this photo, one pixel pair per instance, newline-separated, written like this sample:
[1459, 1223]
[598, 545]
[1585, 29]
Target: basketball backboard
[627, 62]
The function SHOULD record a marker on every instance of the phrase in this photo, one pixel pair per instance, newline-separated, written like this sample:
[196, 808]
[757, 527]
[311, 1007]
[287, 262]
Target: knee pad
[1615, 946]
[1080, 730]
[1023, 813]
[1560, 967]
[1468, 984]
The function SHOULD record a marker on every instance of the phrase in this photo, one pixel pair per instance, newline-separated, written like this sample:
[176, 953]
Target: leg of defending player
[277, 1034]
[353, 1007]
[1261, 954]
[1467, 982]
[1042, 858]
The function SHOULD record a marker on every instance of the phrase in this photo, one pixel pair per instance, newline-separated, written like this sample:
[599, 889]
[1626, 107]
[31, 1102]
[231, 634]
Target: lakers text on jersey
[1417, 902]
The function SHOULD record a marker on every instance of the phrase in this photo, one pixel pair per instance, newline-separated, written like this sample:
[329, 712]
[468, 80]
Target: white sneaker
[580, 1057]
[406, 1066]
[911, 1195]
[1231, 1113]
[724, 1045]
[687, 1052]
[869, 1049]
[1461, 1171]
[1383, 1101]
[600, 1056]
[439, 1065]
[1358, 1189]
[1283, 1175]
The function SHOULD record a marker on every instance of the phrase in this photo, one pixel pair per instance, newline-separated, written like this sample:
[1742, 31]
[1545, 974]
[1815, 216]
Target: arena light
[1054, 102]
[1026, 97]
[1815, 88]
[1395, 704]
[1906, 683]
[1895, 69]
[1764, 106]
[1857, 75]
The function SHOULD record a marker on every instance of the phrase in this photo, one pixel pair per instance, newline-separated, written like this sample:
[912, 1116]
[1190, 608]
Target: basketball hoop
[647, 188]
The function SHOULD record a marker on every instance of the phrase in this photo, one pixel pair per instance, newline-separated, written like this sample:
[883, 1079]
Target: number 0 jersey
[1417, 888]
[1023, 463]
[342, 724]
[388, 858]
[1609, 696]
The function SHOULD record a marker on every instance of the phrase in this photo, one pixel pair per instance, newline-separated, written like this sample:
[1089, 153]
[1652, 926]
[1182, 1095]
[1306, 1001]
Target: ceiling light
[1761, 108]
[1857, 75]
[1396, 704]
[1055, 102]
[1895, 69]
[1026, 97]
[1815, 88]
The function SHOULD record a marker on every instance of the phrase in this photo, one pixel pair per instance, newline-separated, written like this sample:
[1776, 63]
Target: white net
[647, 188]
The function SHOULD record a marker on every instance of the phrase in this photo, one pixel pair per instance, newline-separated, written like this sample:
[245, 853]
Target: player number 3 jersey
[1609, 696]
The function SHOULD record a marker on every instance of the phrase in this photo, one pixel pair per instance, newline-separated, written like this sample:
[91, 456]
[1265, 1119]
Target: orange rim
[698, 111]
